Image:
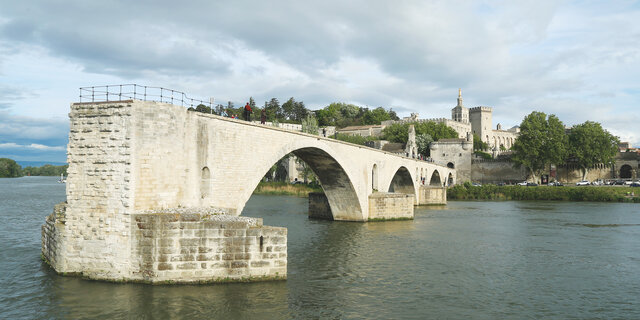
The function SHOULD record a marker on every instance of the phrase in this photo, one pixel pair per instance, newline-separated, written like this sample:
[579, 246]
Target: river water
[466, 260]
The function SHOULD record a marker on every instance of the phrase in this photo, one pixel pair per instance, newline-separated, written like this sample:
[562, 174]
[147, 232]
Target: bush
[493, 192]
[483, 155]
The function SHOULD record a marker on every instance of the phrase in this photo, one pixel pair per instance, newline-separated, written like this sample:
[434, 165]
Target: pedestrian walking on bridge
[247, 112]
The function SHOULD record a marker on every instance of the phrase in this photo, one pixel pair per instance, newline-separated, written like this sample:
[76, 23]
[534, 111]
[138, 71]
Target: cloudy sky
[579, 60]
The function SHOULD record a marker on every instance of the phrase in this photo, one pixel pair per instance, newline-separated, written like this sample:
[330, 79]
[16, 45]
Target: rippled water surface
[476, 260]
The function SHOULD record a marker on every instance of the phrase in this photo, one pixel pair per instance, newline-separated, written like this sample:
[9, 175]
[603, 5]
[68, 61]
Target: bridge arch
[402, 182]
[435, 179]
[331, 172]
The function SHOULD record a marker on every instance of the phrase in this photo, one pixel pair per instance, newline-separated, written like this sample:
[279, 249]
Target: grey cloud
[26, 130]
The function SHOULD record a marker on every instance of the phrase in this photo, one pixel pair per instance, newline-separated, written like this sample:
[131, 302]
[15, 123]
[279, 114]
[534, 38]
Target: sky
[579, 60]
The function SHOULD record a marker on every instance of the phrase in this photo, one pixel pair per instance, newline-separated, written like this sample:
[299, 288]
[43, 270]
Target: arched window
[205, 183]
[374, 177]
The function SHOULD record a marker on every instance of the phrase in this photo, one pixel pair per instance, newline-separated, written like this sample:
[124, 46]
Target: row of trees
[11, 169]
[335, 114]
[543, 142]
[343, 115]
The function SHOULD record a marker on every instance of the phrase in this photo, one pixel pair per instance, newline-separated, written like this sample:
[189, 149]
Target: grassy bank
[588, 193]
[285, 189]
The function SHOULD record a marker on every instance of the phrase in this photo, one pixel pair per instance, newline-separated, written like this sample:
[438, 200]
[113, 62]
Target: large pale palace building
[466, 122]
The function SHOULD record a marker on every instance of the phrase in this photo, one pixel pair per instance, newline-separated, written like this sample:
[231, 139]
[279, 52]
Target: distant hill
[25, 164]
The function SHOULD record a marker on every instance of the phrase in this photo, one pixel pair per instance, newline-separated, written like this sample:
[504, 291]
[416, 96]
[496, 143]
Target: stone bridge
[128, 158]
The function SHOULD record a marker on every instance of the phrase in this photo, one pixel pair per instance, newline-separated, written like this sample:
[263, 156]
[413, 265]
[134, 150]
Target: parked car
[556, 184]
[532, 184]
[635, 184]
[523, 183]
[500, 184]
[618, 183]
[597, 183]
[583, 183]
[475, 184]
[628, 182]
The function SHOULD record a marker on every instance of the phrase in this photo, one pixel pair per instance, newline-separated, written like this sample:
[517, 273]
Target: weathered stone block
[165, 266]
[185, 266]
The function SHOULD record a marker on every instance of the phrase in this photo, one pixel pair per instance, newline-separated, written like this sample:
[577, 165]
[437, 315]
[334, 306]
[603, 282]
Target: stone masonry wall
[93, 238]
[432, 195]
[390, 206]
[183, 248]
[319, 206]
[496, 171]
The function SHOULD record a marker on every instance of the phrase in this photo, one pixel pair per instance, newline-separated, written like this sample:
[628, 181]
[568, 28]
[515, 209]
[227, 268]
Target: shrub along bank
[493, 192]
[286, 189]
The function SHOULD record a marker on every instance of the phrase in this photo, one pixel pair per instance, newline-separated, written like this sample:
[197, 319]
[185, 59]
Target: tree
[542, 141]
[273, 110]
[310, 124]
[423, 141]
[375, 116]
[330, 115]
[294, 110]
[300, 112]
[252, 103]
[202, 108]
[590, 144]
[399, 132]
[9, 168]
[478, 144]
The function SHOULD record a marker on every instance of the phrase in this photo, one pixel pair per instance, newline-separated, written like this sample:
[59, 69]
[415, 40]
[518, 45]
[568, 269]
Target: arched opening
[339, 195]
[625, 171]
[450, 179]
[205, 183]
[335, 183]
[374, 177]
[402, 182]
[435, 179]
[450, 165]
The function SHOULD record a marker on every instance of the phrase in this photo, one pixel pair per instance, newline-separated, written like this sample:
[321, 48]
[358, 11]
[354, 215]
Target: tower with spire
[459, 113]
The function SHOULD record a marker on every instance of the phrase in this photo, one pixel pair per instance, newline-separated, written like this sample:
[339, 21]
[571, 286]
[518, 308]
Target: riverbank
[286, 189]
[585, 193]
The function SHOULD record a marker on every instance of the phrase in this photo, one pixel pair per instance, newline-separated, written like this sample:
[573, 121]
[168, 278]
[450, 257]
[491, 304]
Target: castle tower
[480, 118]
[459, 113]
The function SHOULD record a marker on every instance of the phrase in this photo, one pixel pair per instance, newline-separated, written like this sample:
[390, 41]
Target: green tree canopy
[342, 115]
[542, 141]
[9, 168]
[423, 141]
[478, 144]
[375, 116]
[273, 110]
[591, 144]
[310, 124]
[399, 132]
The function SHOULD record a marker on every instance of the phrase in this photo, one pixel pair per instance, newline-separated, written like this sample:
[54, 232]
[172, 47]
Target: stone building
[364, 131]
[454, 153]
[467, 121]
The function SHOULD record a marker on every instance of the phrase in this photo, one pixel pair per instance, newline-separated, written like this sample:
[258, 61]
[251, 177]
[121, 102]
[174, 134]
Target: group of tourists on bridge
[246, 114]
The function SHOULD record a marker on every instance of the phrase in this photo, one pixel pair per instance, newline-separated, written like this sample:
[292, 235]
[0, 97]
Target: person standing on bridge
[263, 116]
[247, 112]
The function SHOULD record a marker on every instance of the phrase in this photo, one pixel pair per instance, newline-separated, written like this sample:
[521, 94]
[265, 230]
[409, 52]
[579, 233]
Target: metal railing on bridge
[121, 92]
